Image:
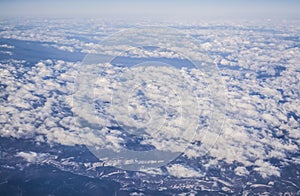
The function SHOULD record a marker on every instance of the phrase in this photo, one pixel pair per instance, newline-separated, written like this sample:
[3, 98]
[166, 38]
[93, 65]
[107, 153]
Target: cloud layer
[260, 67]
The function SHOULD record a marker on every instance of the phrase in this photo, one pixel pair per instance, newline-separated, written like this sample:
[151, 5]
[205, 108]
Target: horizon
[232, 9]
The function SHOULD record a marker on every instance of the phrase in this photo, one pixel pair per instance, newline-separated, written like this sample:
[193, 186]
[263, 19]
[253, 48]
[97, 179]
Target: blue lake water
[33, 51]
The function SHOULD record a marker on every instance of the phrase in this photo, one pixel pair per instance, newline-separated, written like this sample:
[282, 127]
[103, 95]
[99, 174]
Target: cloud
[33, 157]
[262, 114]
[6, 46]
[182, 171]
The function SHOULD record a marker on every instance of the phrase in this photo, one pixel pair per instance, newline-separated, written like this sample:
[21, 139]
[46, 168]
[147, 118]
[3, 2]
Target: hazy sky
[168, 8]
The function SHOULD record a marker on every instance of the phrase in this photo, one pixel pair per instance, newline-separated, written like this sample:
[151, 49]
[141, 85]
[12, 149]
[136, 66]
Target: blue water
[33, 51]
